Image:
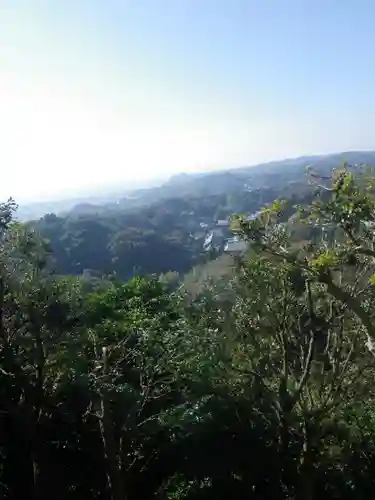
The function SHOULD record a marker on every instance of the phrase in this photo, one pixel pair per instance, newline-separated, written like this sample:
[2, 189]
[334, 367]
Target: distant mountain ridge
[270, 175]
[177, 225]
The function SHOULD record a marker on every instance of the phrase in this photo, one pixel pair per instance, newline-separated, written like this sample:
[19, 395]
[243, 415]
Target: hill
[179, 224]
[133, 390]
[261, 176]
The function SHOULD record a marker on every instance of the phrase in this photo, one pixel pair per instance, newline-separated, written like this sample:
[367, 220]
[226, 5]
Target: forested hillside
[165, 228]
[168, 235]
[258, 387]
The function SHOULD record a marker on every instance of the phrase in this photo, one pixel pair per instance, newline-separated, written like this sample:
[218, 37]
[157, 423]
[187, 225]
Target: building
[214, 240]
[235, 245]
[223, 223]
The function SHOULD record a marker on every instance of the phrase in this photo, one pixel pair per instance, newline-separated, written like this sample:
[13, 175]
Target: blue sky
[96, 92]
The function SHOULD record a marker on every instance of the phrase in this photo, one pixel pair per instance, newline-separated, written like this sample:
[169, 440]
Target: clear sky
[104, 91]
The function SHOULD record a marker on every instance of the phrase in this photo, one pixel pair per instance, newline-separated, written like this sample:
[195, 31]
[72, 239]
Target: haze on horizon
[101, 93]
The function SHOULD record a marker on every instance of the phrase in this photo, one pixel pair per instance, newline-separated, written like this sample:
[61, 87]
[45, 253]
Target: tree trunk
[114, 476]
[111, 450]
[307, 465]
[284, 438]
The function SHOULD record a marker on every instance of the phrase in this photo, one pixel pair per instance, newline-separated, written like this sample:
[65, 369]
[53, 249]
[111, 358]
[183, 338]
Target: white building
[223, 223]
[235, 245]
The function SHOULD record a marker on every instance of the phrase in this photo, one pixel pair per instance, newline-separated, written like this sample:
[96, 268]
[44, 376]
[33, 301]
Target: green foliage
[163, 237]
[256, 384]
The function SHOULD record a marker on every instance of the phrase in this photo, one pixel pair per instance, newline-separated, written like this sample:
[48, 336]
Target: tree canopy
[258, 385]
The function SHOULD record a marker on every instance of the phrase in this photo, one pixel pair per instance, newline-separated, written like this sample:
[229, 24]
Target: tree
[299, 349]
[35, 314]
[344, 214]
[136, 357]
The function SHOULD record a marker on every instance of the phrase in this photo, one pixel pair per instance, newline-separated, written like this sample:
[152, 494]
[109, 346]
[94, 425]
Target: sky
[110, 92]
